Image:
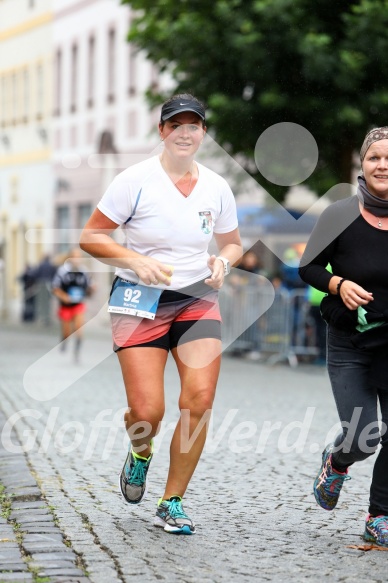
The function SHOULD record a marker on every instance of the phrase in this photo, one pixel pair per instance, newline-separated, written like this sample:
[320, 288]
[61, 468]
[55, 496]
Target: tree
[255, 63]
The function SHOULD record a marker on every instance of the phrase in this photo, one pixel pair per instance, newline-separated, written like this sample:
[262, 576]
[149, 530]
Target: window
[39, 91]
[73, 137]
[90, 132]
[154, 78]
[58, 82]
[14, 189]
[3, 101]
[25, 96]
[132, 124]
[132, 71]
[84, 212]
[14, 96]
[111, 65]
[58, 139]
[19, 96]
[63, 225]
[91, 66]
[7, 99]
[74, 75]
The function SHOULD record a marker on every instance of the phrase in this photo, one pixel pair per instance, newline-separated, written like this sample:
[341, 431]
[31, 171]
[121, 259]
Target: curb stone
[31, 545]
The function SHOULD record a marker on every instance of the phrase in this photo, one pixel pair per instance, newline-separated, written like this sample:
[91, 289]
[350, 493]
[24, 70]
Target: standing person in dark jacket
[352, 235]
[28, 280]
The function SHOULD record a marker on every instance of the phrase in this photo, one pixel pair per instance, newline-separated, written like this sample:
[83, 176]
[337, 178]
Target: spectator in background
[241, 279]
[288, 270]
[278, 284]
[250, 263]
[44, 274]
[28, 280]
[71, 284]
[293, 282]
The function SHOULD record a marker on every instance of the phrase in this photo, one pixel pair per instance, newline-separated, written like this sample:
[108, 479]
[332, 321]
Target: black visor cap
[180, 105]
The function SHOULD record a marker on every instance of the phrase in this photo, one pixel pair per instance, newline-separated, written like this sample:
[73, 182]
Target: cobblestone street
[63, 519]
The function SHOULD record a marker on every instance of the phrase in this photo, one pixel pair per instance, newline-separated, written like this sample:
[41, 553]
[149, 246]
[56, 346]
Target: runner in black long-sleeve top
[352, 236]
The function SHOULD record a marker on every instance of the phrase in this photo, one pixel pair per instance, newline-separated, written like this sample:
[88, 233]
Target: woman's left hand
[216, 266]
[353, 295]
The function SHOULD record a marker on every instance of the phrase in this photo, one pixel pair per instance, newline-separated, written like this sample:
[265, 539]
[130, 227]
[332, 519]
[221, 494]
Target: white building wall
[127, 115]
[119, 107]
[26, 182]
[36, 139]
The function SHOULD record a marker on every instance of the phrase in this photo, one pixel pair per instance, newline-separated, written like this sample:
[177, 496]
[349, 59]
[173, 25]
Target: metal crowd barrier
[283, 331]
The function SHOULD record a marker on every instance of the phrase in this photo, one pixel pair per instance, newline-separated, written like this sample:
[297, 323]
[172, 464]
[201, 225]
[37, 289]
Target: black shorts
[180, 318]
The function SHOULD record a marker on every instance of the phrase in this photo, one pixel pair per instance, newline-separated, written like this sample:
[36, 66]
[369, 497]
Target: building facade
[73, 113]
[100, 114]
[26, 180]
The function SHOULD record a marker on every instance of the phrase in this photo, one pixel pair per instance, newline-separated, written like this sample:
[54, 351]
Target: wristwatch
[226, 264]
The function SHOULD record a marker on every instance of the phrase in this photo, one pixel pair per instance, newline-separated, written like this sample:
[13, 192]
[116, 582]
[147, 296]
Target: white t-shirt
[158, 221]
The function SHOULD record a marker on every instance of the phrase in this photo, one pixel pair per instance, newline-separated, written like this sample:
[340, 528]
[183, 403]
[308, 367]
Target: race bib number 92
[134, 299]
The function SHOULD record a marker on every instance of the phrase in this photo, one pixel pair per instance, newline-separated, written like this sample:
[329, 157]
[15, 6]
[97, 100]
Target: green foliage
[259, 62]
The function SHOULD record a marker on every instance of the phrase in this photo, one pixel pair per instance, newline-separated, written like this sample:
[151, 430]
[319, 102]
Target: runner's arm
[97, 241]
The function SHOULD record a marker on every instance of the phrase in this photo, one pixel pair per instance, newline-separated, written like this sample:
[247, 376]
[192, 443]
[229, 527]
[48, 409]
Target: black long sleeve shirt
[355, 250]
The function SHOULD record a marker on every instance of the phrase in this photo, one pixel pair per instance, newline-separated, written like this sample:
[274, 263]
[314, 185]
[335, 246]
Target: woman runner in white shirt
[169, 207]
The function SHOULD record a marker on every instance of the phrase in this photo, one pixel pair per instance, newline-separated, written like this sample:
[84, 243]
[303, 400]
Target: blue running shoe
[329, 482]
[171, 516]
[133, 477]
[376, 530]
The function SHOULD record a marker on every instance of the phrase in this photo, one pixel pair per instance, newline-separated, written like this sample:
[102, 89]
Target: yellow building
[26, 182]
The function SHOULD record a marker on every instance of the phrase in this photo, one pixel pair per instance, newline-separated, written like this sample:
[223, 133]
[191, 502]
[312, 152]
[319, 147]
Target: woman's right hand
[150, 270]
[353, 295]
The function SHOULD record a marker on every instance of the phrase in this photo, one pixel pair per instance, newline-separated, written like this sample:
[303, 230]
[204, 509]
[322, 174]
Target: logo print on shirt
[206, 222]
